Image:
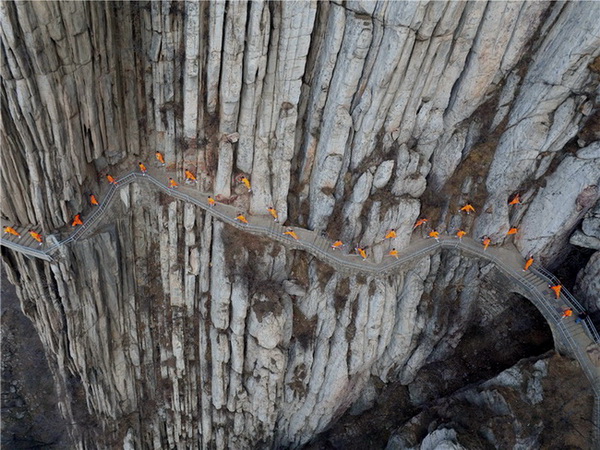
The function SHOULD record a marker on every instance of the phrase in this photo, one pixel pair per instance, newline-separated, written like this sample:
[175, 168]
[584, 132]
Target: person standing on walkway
[460, 234]
[93, 200]
[581, 317]
[273, 212]
[111, 180]
[77, 220]
[190, 177]
[528, 264]
[11, 230]
[513, 230]
[419, 222]
[292, 233]
[516, 200]
[242, 218]
[173, 184]
[393, 252]
[486, 242]
[246, 182]
[468, 208]
[142, 168]
[391, 234]
[434, 234]
[211, 201]
[557, 288]
[161, 158]
[337, 245]
[36, 236]
[361, 251]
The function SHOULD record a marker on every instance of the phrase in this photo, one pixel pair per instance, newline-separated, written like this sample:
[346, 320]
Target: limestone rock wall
[351, 118]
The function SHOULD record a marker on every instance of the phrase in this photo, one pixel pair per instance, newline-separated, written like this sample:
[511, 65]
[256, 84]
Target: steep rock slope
[349, 118]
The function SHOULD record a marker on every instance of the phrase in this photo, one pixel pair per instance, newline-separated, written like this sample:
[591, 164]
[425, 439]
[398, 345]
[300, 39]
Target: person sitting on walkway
[242, 218]
[361, 251]
[461, 234]
[393, 252]
[211, 201]
[190, 177]
[419, 222]
[516, 200]
[486, 242]
[557, 288]
[468, 208]
[513, 230]
[246, 182]
[77, 220]
[142, 168]
[11, 230]
[93, 200]
[161, 158]
[434, 234]
[567, 313]
[391, 234]
[173, 184]
[292, 233]
[111, 180]
[337, 244]
[528, 264]
[36, 236]
[273, 212]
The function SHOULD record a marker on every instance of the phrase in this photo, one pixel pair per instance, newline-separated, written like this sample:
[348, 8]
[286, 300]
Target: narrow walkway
[579, 339]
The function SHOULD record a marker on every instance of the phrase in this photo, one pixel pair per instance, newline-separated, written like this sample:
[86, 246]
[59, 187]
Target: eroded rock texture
[351, 118]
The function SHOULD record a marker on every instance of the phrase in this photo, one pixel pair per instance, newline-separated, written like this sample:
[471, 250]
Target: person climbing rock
[93, 200]
[557, 288]
[273, 212]
[161, 158]
[391, 234]
[568, 312]
[516, 200]
[461, 234]
[242, 218]
[337, 244]
[77, 220]
[11, 230]
[393, 252]
[361, 251]
[528, 263]
[246, 182]
[190, 177]
[111, 180]
[142, 168]
[513, 230]
[173, 184]
[468, 208]
[292, 233]
[434, 234]
[211, 201]
[419, 222]
[36, 236]
[486, 242]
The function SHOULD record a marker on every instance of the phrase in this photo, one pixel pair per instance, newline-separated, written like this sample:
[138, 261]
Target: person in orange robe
[434, 234]
[513, 230]
[142, 168]
[337, 244]
[173, 184]
[361, 251]
[468, 208]
[273, 212]
[556, 290]
[393, 252]
[242, 218]
[419, 222]
[211, 201]
[515, 201]
[93, 200]
[36, 236]
[161, 158]
[11, 230]
[391, 234]
[190, 177]
[460, 234]
[528, 263]
[291, 233]
[246, 182]
[77, 220]
[486, 242]
[110, 179]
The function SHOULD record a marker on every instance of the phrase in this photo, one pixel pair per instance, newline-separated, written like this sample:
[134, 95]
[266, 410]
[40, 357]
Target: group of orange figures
[338, 244]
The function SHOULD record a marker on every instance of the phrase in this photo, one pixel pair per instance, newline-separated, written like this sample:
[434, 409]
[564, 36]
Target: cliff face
[349, 118]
